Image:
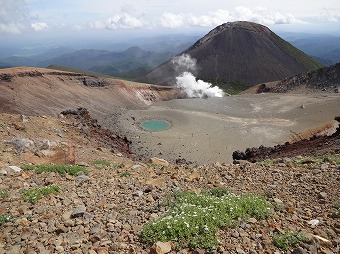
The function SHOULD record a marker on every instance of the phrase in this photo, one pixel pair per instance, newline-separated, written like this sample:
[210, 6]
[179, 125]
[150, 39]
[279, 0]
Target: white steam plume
[184, 63]
[187, 81]
[197, 88]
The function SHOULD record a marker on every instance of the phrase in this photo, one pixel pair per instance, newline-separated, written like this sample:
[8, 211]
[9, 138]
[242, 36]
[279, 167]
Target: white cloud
[329, 16]
[172, 20]
[123, 21]
[40, 26]
[76, 28]
[13, 16]
[118, 21]
[96, 25]
[215, 18]
[263, 16]
[11, 28]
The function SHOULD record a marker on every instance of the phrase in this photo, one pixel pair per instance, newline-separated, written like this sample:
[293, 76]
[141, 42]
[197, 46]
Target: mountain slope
[323, 79]
[33, 91]
[239, 52]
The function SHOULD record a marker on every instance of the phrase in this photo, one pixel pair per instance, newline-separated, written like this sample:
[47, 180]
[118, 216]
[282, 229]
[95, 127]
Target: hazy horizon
[31, 26]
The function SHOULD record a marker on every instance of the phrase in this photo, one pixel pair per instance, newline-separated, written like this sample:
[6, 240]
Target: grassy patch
[3, 193]
[2, 124]
[62, 169]
[99, 164]
[336, 206]
[186, 220]
[125, 174]
[116, 165]
[288, 240]
[35, 194]
[312, 160]
[5, 218]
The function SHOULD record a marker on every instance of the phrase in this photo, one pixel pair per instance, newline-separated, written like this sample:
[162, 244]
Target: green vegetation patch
[2, 124]
[62, 169]
[154, 165]
[3, 193]
[288, 240]
[5, 218]
[99, 164]
[192, 220]
[34, 194]
[125, 174]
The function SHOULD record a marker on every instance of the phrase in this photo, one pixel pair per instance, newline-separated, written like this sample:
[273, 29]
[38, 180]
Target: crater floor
[209, 130]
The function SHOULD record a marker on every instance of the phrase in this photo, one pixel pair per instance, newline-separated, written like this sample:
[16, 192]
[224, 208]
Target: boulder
[158, 161]
[160, 248]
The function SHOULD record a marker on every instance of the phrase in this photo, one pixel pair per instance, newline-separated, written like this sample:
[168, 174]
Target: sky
[23, 19]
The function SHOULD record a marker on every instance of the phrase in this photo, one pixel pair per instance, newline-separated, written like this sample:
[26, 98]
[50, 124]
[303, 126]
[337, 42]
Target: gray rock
[252, 220]
[136, 166]
[82, 178]
[239, 250]
[22, 144]
[78, 212]
[95, 229]
[313, 223]
[322, 195]
[316, 171]
[278, 201]
[3, 172]
[324, 166]
[299, 250]
[235, 234]
[14, 249]
[138, 193]
[15, 168]
[67, 215]
[42, 144]
[24, 118]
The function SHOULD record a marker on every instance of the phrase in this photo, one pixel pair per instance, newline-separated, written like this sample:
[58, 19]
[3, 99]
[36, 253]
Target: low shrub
[35, 194]
[125, 174]
[3, 193]
[5, 218]
[288, 240]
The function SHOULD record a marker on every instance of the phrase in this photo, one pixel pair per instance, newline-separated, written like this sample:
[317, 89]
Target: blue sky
[34, 18]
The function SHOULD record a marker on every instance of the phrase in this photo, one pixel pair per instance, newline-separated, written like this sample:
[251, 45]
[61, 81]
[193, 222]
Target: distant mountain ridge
[130, 63]
[243, 53]
[326, 49]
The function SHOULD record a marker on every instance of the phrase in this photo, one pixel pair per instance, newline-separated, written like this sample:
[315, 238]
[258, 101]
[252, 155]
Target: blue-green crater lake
[155, 125]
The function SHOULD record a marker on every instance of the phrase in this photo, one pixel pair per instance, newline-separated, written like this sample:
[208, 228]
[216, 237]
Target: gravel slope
[105, 211]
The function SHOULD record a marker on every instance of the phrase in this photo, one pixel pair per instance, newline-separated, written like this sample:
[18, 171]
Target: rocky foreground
[105, 210]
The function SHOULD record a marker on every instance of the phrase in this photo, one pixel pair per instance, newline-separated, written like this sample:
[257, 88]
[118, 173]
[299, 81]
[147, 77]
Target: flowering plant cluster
[192, 220]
